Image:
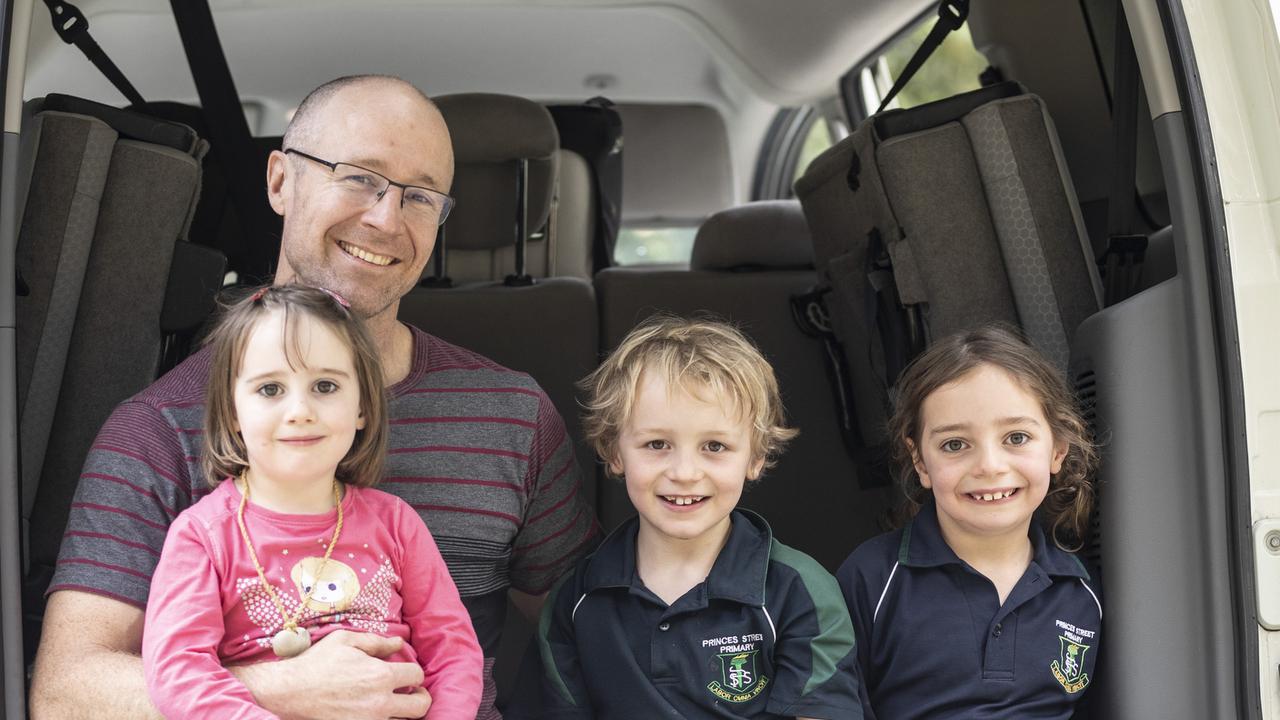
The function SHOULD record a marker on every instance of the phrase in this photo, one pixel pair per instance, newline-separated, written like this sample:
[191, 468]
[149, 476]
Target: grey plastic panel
[10, 535]
[1169, 629]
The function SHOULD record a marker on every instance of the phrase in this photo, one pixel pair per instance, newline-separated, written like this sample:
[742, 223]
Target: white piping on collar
[1095, 596]
[884, 592]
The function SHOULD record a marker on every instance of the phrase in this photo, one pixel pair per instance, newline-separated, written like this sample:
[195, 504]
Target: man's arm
[89, 663]
[89, 666]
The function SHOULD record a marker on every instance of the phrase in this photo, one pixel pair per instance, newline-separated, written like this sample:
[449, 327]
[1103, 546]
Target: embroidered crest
[739, 681]
[1068, 669]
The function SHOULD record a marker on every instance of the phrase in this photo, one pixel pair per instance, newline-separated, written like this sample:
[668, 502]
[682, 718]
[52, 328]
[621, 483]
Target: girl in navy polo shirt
[976, 607]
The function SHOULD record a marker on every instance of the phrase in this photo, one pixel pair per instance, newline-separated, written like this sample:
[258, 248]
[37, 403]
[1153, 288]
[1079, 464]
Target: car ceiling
[723, 53]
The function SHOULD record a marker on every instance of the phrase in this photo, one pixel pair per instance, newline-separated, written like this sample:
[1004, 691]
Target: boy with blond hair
[692, 609]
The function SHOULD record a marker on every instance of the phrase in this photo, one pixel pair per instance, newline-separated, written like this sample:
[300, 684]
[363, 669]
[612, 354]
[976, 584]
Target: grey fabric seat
[747, 263]
[107, 211]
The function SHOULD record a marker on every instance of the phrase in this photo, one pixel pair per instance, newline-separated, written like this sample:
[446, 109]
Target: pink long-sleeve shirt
[207, 608]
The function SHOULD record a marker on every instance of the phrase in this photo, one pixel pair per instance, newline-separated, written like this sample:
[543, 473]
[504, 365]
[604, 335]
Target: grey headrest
[770, 234]
[491, 133]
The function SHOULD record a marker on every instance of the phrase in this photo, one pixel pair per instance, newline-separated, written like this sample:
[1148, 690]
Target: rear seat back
[747, 263]
[972, 203]
[140, 179]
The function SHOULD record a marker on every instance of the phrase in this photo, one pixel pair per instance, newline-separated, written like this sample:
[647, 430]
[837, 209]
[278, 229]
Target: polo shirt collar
[923, 546]
[738, 574]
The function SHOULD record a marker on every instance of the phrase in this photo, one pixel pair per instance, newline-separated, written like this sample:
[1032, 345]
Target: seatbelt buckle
[1124, 248]
[68, 21]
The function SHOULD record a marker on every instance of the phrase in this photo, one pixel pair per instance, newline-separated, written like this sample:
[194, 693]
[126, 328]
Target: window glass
[654, 245]
[953, 68]
[818, 138]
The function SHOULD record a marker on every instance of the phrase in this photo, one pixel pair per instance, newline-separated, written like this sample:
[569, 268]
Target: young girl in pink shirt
[293, 543]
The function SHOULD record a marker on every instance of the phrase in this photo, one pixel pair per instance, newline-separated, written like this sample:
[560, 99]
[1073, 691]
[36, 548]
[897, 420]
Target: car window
[654, 245]
[820, 136]
[953, 68]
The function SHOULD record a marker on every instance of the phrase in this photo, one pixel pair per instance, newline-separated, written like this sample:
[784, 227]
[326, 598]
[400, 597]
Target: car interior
[1045, 167]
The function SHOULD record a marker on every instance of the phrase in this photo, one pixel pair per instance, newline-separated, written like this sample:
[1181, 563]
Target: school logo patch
[739, 681]
[1068, 669]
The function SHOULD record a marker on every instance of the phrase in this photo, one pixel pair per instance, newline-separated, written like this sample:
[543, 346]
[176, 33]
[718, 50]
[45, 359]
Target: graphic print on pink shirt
[340, 597]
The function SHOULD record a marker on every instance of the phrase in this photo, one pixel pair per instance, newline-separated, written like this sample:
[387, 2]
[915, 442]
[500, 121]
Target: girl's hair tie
[336, 298]
[262, 291]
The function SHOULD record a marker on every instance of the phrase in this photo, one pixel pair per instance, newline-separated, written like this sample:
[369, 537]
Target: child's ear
[615, 465]
[1060, 449]
[360, 421]
[917, 461]
[756, 467]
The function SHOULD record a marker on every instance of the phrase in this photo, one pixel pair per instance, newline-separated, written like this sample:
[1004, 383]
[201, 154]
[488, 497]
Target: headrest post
[440, 278]
[522, 223]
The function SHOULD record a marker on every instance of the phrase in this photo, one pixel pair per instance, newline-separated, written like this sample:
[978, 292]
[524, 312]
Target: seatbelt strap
[1121, 261]
[228, 130]
[73, 28]
[951, 15]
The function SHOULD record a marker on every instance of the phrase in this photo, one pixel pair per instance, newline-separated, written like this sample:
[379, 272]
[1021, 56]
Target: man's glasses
[366, 187]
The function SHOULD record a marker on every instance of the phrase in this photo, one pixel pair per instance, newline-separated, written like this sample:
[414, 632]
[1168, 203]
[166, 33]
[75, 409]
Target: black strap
[229, 134]
[73, 28]
[809, 311]
[951, 15]
[1121, 261]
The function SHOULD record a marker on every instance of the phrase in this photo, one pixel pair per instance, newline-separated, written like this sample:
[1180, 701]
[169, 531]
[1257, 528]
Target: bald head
[309, 119]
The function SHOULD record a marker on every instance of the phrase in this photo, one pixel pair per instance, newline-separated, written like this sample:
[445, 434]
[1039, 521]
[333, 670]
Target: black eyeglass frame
[449, 200]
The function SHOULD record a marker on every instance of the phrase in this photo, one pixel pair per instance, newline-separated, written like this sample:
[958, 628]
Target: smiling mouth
[365, 255]
[683, 500]
[992, 497]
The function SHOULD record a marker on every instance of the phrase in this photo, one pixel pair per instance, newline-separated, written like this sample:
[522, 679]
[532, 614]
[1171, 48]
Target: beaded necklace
[291, 640]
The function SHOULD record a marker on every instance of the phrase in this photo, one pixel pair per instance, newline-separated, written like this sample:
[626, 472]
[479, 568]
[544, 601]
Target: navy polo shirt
[766, 635]
[934, 641]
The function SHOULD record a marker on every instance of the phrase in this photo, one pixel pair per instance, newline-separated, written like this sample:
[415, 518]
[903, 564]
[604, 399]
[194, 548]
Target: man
[479, 450]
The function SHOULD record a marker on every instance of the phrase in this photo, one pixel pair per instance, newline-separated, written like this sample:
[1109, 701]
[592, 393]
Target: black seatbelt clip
[953, 13]
[68, 21]
[1121, 266]
[1124, 249]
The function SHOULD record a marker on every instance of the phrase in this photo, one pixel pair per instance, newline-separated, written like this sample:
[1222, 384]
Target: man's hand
[344, 676]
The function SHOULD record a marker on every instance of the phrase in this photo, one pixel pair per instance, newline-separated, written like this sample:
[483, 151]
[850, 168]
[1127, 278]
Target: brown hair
[1071, 494]
[693, 354]
[223, 453]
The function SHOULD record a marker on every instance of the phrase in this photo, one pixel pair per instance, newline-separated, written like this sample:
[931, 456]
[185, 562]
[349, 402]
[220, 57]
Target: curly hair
[694, 354]
[1071, 491]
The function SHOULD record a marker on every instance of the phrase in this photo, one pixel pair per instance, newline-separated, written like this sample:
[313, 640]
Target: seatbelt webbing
[228, 129]
[951, 15]
[73, 28]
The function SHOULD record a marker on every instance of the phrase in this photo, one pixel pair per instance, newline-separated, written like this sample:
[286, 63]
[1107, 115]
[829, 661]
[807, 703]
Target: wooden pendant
[288, 643]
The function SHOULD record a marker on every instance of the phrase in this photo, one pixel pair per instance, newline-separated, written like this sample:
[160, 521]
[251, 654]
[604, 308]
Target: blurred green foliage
[952, 68]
